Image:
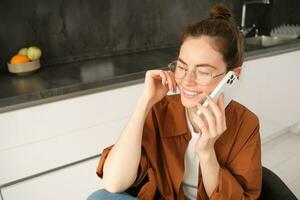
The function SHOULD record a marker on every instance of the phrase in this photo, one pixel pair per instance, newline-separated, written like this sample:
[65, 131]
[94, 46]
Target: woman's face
[195, 53]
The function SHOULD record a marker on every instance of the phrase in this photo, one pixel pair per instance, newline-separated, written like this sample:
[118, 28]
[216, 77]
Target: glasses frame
[192, 70]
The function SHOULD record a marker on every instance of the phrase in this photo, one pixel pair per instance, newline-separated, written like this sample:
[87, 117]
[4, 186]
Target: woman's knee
[105, 195]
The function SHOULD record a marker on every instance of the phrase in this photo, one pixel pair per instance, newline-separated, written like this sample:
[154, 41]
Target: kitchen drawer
[38, 157]
[74, 182]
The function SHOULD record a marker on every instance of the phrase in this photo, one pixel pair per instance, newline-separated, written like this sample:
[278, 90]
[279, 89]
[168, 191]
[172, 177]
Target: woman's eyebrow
[206, 65]
[198, 65]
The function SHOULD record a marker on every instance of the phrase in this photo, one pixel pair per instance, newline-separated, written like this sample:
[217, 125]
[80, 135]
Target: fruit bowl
[24, 68]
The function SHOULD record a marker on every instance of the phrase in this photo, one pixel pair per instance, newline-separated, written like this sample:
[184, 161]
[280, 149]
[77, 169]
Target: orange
[18, 59]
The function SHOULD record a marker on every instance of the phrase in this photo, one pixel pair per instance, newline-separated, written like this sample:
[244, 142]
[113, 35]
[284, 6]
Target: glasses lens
[180, 70]
[203, 77]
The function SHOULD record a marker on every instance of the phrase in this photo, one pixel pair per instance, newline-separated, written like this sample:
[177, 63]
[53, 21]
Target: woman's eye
[203, 73]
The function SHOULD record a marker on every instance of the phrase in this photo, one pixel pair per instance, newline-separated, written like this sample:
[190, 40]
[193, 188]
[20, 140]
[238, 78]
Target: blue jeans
[105, 195]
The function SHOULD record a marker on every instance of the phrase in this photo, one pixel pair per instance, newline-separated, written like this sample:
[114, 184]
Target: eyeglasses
[202, 76]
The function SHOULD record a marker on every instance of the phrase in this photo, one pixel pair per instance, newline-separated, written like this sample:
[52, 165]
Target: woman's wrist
[144, 104]
[206, 155]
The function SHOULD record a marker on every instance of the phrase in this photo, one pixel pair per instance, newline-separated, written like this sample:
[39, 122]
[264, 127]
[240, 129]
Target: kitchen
[54, 121]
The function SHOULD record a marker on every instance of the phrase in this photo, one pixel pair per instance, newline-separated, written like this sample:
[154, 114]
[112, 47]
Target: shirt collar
[175, 122]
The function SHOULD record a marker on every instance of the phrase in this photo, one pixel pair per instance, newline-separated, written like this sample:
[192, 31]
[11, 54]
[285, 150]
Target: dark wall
[285, 12]
[279, 12]
[79, 29]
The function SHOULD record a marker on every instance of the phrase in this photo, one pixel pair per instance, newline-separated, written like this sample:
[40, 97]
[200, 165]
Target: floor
[282, 156]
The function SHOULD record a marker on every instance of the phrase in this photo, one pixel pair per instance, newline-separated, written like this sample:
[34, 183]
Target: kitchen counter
[64, 81]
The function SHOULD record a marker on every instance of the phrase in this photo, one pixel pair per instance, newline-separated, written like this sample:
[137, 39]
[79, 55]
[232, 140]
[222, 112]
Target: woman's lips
[190, 93]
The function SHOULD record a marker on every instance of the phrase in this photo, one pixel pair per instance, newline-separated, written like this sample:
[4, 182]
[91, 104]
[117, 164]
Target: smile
[190, 93]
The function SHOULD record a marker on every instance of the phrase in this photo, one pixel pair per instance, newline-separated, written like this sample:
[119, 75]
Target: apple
[34, 53]
[23, 51]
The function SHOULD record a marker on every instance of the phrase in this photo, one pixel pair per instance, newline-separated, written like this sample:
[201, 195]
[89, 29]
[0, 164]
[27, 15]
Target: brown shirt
[165, 140]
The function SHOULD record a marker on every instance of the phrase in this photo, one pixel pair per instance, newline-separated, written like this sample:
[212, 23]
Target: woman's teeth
[191, 93]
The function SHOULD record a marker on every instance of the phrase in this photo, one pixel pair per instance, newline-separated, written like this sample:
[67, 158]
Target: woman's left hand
[212, 123]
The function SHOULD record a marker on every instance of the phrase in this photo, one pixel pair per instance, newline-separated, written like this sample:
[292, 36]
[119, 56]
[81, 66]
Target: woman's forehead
[195, 51]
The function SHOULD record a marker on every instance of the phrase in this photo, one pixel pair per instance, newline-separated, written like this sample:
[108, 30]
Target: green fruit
[23, 51]
[34, 53]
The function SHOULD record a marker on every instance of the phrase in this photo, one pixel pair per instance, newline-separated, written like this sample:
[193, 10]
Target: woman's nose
[190, 78]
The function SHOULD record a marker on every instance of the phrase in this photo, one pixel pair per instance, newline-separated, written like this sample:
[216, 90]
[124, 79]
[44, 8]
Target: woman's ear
[237, 71]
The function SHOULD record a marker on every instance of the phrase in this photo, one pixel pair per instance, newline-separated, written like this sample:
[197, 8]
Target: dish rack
[286, 30]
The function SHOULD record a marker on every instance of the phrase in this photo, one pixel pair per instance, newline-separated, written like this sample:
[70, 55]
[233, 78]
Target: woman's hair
[221, 27]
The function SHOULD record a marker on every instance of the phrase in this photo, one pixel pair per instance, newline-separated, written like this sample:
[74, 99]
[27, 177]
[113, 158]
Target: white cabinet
[270, 87]
[40, 138]
[76, 182]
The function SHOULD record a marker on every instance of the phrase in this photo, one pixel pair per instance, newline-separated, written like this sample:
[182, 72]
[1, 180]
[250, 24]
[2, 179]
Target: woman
[167, 151]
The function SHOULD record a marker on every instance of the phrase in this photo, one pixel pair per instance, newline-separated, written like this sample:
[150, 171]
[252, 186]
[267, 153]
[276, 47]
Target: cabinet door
[75, 182]
[270, 88]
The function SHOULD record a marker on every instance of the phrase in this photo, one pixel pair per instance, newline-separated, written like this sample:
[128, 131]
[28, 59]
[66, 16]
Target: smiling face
[195, 53]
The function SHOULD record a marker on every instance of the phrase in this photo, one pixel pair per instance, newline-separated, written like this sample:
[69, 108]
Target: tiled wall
[81, 29]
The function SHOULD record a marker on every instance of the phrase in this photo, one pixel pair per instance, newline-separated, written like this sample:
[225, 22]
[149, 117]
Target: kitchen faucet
[245, 30]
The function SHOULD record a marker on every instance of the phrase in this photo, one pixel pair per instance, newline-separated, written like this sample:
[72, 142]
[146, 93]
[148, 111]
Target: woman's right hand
[157, 85]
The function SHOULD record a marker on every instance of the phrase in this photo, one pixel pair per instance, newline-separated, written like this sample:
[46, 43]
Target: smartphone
[228, 86]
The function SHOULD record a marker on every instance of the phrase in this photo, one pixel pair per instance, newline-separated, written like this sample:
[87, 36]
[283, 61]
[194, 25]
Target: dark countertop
[63, 81]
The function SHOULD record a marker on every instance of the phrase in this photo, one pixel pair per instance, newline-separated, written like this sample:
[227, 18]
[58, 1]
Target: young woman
[166, 150]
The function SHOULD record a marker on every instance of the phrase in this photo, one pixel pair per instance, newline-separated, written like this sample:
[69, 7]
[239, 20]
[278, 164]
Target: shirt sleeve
[142, 169]
[144, 164]
[242, 176]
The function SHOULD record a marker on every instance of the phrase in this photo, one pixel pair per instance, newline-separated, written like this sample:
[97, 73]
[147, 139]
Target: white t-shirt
[191, 163]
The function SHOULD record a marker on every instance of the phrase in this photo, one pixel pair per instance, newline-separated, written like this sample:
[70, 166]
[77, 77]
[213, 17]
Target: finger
[222, 108]
[210, 120]
[173, 78]
[202, 125]
[171, 74]
[220, 103]
[169, 80]
[216, 111]
[163, 78]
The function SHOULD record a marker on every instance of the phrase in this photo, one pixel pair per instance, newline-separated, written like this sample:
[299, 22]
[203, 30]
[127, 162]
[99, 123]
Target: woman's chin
[191, 102]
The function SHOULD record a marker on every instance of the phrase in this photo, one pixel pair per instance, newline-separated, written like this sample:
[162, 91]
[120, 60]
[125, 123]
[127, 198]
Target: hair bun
[220, 12]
